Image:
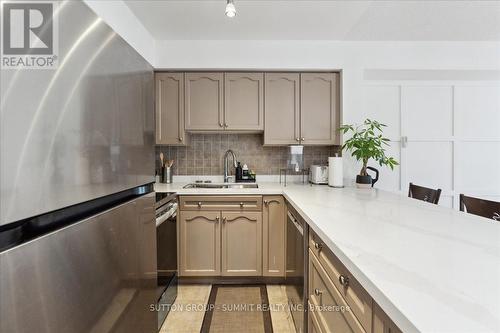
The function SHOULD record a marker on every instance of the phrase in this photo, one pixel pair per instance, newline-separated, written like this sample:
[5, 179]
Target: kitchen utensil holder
[167, 175]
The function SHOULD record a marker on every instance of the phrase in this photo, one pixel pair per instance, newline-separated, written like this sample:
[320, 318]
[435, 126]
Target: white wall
[443, 96]
[123, 21]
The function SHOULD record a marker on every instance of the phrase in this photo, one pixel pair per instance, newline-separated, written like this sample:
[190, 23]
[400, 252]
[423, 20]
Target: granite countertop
[430, 268]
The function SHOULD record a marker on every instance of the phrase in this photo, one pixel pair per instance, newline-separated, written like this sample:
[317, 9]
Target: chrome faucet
[226, 166]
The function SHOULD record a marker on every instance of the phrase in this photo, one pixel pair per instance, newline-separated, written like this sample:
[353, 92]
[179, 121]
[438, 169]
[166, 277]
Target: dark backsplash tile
[205, 154]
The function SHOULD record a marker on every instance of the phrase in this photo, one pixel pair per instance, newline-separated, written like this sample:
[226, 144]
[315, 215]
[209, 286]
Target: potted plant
[367, 143]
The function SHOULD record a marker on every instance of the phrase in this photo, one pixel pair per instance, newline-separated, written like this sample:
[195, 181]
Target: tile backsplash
[204, 155]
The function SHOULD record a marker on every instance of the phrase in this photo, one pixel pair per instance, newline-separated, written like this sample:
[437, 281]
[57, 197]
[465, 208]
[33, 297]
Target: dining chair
[485, 208]
[424, 193]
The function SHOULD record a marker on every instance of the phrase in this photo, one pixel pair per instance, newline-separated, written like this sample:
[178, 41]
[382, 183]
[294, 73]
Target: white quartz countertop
[430, 268]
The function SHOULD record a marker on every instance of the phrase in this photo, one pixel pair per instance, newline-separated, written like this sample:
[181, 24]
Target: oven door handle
[172, 212]
[295, 223]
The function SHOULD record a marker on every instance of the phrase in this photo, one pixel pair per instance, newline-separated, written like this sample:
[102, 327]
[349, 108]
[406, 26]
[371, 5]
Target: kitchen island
[430, 268]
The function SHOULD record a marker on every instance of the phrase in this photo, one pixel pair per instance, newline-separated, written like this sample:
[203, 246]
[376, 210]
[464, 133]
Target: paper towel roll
[335, 172]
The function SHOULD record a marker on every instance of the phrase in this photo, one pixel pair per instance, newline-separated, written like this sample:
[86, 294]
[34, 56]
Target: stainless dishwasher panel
[295, 268]
[97, 275]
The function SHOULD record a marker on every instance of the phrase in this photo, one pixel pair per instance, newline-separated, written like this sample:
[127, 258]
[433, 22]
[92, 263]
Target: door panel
[477, 111]
[170, 109]
[430, 164]
[204, 98]
[281, 109]
[241, 244]
[199, 243]
[477, 166]
[274, 236]
[382, 103]
[427, 111]
[319, 112]
[244, 101]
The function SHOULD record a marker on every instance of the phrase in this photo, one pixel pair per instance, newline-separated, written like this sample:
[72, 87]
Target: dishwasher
[295, 279]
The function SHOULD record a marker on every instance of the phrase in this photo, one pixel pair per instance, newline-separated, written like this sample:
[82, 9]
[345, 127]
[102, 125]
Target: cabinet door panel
[323, 294]
[319, 112]
[170, 109]
[241, 244]
[382, 323]
[204, 98]
[313, 323]
[244, 101]
[199, 243]
[281, 108]
[273, 236]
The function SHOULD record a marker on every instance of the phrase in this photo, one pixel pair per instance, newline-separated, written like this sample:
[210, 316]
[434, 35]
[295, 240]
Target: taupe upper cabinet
[170, 109]
[281, 110]
[204, 101]
[244, 101]
[319, 114]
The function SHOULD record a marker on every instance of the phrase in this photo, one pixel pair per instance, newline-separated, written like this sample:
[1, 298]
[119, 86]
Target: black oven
[166, 240]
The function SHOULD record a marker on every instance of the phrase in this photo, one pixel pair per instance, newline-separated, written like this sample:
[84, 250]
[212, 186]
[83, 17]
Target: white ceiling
[355, 20]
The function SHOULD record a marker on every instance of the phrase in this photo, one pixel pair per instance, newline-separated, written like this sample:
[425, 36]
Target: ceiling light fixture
[230, 9]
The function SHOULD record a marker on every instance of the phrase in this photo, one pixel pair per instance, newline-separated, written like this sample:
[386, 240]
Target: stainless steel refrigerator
[77, 219]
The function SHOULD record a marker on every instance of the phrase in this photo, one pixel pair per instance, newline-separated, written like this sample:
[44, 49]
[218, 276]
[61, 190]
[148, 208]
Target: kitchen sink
[221, 186]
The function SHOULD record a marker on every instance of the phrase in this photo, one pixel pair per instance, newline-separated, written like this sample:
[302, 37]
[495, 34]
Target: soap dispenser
[239, 172]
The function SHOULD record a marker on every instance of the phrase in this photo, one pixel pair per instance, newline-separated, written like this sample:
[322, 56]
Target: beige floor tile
[280, 314]
[188, 311]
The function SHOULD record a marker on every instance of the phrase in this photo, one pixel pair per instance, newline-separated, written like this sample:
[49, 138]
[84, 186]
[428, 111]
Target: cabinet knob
[297, 139]
[241, 204]
[224, 220]
[181, 138]
[217, 219]
[344, 280]
[199, 204]
[302, 139]
[266, 202]
[318, 246]
[225, 125]
[317, 292]
[220, 124]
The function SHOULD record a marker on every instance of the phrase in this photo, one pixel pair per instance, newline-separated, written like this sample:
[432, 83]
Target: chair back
[485, 208]
[424, 193]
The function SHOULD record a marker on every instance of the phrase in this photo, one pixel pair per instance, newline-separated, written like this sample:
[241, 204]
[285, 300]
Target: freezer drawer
[97, 275]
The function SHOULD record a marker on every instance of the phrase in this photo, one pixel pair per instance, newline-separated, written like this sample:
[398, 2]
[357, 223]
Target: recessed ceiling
[321, 20]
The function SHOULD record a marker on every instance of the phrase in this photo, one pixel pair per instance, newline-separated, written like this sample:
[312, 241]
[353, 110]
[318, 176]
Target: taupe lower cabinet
[302, 109]
[381, 322]
[273, 216]
[241, 244]
[331, 284]
[199, 243]
[241, 235]
[220, 235]
[170, 109]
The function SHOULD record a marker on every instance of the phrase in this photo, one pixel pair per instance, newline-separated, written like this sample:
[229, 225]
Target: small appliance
[318, 174]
